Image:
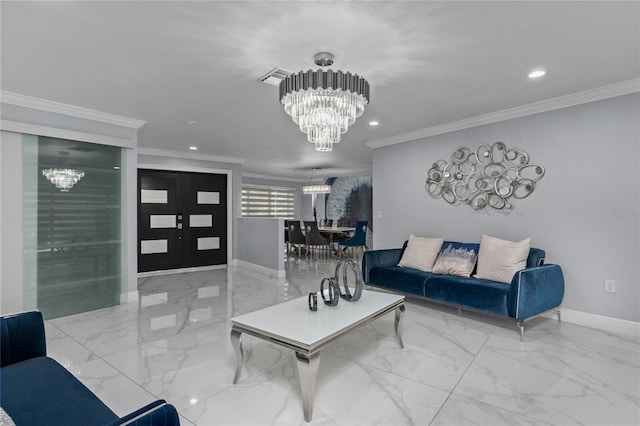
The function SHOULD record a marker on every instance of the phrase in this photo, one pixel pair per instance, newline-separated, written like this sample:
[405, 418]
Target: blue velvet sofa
[537, 289]
[36, 390]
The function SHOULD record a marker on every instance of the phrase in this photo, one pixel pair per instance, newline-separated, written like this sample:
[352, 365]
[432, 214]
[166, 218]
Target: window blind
[264, 201]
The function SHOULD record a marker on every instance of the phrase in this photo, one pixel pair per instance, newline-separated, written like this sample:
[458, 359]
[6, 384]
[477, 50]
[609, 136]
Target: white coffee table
[292, 325]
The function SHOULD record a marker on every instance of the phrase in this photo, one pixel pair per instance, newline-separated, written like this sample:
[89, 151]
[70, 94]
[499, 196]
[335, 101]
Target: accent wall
[585, 212]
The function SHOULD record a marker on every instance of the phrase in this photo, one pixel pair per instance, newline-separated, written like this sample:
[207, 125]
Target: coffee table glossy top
[294, 322]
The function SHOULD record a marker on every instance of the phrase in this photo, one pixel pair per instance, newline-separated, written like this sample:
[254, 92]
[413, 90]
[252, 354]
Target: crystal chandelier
[63, 179]
[324, 103]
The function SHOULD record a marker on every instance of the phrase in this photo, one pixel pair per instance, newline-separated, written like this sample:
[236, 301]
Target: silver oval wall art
[487, 177]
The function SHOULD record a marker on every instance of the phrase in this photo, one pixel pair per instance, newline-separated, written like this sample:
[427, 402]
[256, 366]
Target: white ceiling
[428, 63]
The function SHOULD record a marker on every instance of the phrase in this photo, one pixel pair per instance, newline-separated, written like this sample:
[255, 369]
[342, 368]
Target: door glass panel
[72, 227]
[200, 220]
[208, 243]
[162, 221]
[153, 196]
[206, 197]
[153, 246]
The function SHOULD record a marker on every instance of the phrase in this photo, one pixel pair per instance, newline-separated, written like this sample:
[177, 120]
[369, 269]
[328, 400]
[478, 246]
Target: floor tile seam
[220, 317]
[145, 390]
[94, 354]
[277, 364]
[56, 327]
[452, 390]
[621, 347]
[592, 353]
[477, 354]
[152, 339]
[120, 372]
[126, 307]
[116, 324]
[515, 413]
[376, 368]
[205, 399]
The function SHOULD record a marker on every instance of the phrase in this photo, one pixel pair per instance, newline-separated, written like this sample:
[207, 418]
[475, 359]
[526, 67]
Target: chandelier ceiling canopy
[324, 103]
[63, 178]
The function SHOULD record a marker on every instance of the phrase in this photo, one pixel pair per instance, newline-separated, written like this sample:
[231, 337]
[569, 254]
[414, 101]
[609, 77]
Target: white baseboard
[259, 268]
[131, 296]
[608, 324]
[179, 271]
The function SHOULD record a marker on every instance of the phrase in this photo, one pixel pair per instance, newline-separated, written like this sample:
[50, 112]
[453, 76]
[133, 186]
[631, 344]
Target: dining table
[331, 232]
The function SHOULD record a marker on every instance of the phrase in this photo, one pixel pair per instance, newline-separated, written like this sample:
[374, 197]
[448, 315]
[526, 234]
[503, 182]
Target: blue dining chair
[359, 237]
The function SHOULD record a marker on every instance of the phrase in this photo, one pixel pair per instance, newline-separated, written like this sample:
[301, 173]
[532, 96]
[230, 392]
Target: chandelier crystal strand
[63, 179]
[324, 103]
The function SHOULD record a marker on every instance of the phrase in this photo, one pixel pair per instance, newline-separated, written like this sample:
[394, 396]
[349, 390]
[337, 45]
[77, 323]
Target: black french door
[182, 219]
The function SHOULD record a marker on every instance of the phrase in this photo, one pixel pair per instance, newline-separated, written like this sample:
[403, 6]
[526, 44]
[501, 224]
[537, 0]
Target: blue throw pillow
[456, 259]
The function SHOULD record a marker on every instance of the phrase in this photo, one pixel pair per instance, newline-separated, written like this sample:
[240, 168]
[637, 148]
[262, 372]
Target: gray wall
[261, 242]
[11, 248]
[584, 212]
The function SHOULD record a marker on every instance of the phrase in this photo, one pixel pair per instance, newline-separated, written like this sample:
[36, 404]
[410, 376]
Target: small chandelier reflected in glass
[63, 179]
[324, 103]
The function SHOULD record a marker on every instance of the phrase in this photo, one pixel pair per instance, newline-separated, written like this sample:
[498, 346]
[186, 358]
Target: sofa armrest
[158, 413]
[21, 337]
[374, 258]
[536, 290]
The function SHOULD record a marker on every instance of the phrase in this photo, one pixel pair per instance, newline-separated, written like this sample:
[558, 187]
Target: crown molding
[592, 95]
[190, 155]
[272, 177]
[52, 132]
[68, 110]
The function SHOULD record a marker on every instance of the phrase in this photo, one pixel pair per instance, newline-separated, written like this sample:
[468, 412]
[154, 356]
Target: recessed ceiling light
[373, 123]
[193, 148]
[537, 73]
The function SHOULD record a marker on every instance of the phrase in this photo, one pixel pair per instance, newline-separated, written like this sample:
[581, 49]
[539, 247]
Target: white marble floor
[454, 370]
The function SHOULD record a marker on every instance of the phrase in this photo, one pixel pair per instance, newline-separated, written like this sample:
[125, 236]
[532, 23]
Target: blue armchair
[37, 390]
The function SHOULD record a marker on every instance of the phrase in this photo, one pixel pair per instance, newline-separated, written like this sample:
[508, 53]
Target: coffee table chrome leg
[236, 342]
[307, 366]
[398, 323]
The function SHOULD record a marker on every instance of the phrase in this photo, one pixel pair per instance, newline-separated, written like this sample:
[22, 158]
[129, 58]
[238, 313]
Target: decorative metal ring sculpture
[486, 177]
[332, 296]
[313, 301]
[341, 276]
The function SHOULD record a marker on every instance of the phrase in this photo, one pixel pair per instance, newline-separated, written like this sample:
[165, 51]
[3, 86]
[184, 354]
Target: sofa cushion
[499, 260]
[421, 253]
[405, 280]
[456, 259]
[61, 398]
[474, 293]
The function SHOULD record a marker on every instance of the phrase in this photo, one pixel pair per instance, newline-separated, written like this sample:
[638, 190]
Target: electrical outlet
[610, 286]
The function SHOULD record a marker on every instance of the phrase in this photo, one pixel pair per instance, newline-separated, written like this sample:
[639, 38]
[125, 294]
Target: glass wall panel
[73, 215]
